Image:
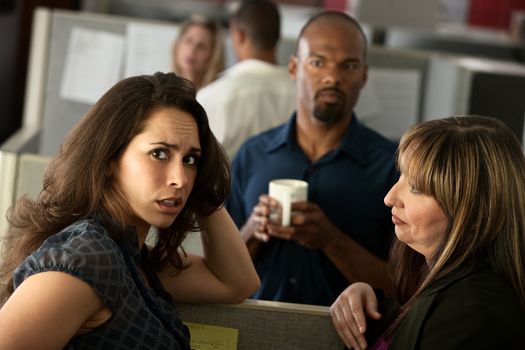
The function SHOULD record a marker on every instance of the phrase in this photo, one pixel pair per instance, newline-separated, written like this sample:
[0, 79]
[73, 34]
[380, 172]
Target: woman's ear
[111, 169]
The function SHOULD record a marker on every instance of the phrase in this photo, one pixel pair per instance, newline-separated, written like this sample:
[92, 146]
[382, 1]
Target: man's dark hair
[261, 22]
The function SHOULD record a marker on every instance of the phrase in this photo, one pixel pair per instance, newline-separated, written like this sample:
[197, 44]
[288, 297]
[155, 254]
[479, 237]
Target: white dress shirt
[248, 98]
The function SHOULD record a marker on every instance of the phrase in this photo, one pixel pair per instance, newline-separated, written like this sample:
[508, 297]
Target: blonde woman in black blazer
[458, 262]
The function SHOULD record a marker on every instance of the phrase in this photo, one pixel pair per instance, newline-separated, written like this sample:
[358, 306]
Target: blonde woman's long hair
[474, 168]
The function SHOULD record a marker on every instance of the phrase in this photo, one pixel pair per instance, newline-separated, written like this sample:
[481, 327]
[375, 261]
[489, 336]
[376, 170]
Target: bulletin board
[85, 38]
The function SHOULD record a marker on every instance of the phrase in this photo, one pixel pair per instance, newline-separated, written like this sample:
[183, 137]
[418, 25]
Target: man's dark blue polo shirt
[348, 183]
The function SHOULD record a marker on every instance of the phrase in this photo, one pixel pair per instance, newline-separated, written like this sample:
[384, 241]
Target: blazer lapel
[409, 330]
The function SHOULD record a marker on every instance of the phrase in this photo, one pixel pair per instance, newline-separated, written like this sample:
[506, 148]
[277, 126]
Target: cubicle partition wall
[88, 54]
[258, 324]
[393, 97]
[462, 86]
[27, 138]
[14, 183]
[459, 40]
[75, 57]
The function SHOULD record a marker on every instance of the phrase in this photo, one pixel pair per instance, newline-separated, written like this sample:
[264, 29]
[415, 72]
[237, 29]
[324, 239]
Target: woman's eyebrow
[173, 146]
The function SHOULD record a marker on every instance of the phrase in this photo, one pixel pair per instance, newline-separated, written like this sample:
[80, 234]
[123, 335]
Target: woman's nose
[177, 175]
[390, 198]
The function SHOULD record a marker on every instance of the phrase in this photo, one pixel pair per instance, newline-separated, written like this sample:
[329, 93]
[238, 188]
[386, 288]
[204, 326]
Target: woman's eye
[191, 160]
[414, 189]
[161, 154]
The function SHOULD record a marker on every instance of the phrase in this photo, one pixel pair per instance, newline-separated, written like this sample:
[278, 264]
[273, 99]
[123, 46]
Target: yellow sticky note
[208, 337]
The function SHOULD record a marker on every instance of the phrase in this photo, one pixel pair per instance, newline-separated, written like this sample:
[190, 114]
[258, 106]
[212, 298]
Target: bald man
[342, 233]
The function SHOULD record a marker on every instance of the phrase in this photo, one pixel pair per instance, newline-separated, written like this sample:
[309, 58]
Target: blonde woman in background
[198, 51]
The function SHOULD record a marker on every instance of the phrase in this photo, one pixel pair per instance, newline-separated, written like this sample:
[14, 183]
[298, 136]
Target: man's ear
[242, 37]
[292, 67]
[238, 36]
[365, 75]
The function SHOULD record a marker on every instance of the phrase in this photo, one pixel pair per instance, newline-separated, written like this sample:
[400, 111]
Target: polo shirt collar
[284, 136]
[354, 142]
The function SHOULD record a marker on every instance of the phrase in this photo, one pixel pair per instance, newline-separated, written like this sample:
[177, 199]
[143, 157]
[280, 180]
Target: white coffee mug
[288, 191]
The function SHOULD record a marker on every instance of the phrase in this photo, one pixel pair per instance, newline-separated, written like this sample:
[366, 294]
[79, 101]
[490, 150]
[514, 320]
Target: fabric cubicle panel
[30, 173]
[269, 325]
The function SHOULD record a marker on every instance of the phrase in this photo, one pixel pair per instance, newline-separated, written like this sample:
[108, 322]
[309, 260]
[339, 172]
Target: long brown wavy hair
[474, 168]
[78, 182]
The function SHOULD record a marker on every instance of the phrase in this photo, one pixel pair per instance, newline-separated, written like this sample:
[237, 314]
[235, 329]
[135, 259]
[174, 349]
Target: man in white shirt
[255, 94]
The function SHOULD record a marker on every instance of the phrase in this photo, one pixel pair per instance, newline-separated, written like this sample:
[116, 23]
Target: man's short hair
[335, 15]
[260, 20]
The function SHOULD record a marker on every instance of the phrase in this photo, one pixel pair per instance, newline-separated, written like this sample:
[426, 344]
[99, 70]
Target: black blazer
[466, 310]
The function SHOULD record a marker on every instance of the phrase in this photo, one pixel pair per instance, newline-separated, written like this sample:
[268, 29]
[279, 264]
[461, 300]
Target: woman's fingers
[371, 306]
[348, 313]
[345, 326]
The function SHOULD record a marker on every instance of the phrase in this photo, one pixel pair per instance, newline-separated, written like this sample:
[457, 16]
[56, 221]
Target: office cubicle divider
[269, 325]
[468, 85]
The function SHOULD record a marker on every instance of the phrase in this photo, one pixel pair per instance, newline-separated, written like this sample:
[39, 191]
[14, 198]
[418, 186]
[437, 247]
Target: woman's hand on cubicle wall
[349, 313]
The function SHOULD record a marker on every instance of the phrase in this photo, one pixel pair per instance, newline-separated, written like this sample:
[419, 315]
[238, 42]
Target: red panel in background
[493, 13]
[335, 5]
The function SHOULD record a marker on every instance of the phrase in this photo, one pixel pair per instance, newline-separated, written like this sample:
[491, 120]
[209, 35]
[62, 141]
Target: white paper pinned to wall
[93, 64]
[148, 48]
[390, 100]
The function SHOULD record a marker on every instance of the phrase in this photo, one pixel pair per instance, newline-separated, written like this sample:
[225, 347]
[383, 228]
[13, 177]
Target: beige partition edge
[37, 68]
[31, 169]
[20, 174]
[32, 118]
[268, 324]
[8, 167]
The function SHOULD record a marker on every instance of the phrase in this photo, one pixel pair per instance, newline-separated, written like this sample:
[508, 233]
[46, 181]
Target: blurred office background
[487, 28]
[427, 59]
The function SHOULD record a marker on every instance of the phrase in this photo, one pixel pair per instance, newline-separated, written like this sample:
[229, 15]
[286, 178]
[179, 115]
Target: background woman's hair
[474, 168]
[216, 63]
[78, 182]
